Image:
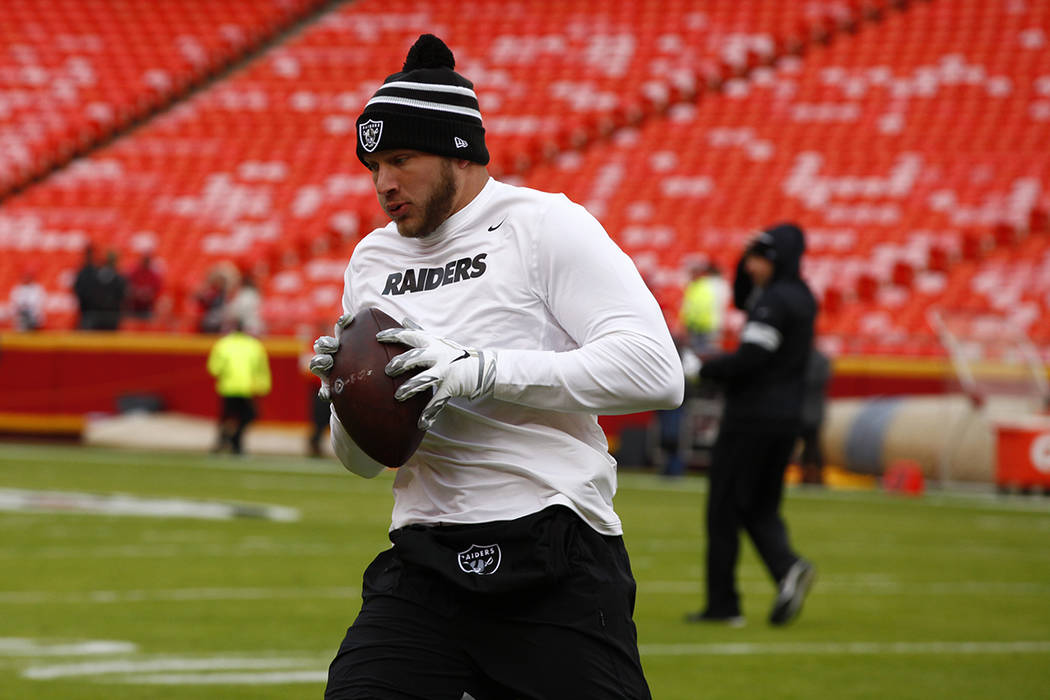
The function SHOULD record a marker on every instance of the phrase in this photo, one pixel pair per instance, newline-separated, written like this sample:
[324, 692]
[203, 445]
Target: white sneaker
[727, 620]
[793, 590]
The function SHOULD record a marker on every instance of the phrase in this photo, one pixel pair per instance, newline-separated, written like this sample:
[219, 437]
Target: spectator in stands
[811, 456]
[144, 285]
[763, 383]
[211, 301]
[246, 306]
[27, 302]
[704, 306]
[110, 288]
[241, 368]
[84, 287]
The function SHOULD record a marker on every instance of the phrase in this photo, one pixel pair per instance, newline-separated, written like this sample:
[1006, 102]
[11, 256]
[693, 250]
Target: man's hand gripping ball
[325, 348]
[449, 368]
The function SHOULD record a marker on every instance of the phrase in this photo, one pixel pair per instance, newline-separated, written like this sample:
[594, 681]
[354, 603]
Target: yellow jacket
[240, 366]
[701, 310]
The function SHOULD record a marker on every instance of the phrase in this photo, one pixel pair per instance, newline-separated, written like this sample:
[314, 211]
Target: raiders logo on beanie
[426, 107]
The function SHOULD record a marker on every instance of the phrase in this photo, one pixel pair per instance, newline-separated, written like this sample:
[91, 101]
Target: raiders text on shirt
[427, 278]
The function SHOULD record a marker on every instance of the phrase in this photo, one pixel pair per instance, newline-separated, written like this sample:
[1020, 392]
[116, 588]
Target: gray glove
[325, 348]
[450, 368]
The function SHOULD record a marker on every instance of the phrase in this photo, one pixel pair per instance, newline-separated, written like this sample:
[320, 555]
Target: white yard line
[272, 678]
[29, 501]
[162, 551]
[173, 595]
[133, 666]
[253, 669]
[20, 646]
[870, 587]
[252, 463]
[847, 648]
[830, 586]
[982, 497]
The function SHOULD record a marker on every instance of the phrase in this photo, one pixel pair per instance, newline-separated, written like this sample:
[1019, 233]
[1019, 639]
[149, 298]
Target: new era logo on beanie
[426, 107]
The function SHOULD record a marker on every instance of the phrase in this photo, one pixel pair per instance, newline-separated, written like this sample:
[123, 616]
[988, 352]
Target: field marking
[979, 497]
[870, 587]
[185, 460]
[873, 586]
[272, 678]
[846, 648]
[982, 496]
[30, 501]
[175, 595]
[253, 670]
[177, 664]
[159, 551]
[21, 646]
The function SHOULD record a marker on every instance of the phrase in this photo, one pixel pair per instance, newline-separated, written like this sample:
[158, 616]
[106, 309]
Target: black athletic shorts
[537, 608]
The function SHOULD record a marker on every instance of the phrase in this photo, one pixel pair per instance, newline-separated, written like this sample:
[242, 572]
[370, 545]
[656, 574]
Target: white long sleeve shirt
[577, 333]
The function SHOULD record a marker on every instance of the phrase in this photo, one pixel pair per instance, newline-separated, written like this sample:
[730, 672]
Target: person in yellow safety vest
[241, 369]
[703, 307]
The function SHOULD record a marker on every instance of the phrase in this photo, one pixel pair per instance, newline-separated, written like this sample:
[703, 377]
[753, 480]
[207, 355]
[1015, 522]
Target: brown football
[363, 395]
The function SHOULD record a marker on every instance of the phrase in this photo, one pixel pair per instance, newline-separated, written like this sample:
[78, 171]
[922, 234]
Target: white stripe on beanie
[425, 104]
[428, 87]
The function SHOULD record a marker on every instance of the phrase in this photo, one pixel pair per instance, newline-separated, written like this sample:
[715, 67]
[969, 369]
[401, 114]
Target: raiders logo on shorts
[480, 559]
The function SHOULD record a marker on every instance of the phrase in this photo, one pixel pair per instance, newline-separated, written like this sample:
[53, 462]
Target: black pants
[746, 487]
[237, 413]
[539, 608]
[321, 411]
[811, 457]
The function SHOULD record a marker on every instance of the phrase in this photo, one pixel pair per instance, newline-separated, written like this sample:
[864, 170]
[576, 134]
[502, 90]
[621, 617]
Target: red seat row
[911, 154]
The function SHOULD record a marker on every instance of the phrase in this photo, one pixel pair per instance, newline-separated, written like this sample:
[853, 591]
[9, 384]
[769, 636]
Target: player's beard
[436, 208]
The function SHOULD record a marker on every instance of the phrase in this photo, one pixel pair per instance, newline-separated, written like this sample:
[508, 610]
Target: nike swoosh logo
[493, 228]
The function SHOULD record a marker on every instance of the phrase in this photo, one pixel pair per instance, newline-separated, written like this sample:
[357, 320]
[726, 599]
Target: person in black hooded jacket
[763, 383]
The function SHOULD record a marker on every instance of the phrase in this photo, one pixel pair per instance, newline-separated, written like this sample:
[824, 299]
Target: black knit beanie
[426, 107]
[783, 239]
[763, 246]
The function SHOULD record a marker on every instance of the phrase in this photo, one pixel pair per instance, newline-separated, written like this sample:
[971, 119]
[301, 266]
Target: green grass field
[947, 596]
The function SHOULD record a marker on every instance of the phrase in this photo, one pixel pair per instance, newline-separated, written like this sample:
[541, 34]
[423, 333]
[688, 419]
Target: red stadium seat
[902, 136]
